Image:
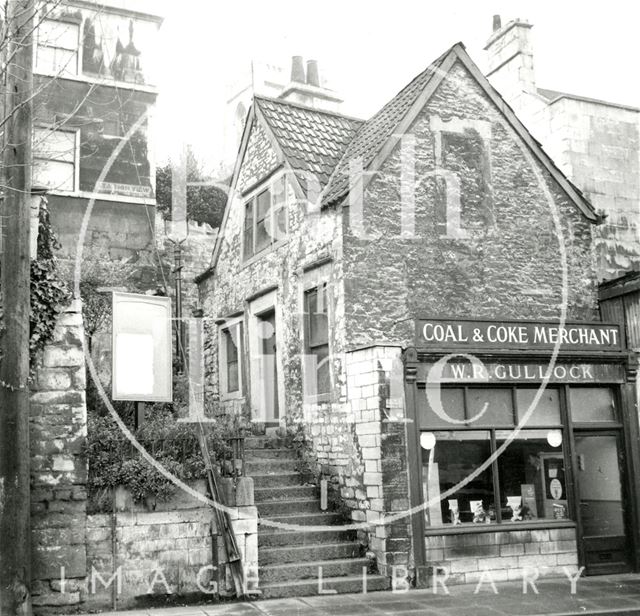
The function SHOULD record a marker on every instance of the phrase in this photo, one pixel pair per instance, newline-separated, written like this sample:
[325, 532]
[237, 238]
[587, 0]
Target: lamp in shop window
[427, 440]
[554, 438]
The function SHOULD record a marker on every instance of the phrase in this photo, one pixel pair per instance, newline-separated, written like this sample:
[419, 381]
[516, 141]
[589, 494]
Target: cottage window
[57, 49]
[55, 155]
[230, 359]
[526, 482]
[265, 220]
[317, 373]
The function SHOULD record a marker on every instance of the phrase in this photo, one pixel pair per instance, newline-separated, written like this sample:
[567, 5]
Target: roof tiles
[312, 140]
[375, 131]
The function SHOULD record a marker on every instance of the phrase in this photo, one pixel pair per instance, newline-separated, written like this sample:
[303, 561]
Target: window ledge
[499, 528]
[317, 399]
[255, 258]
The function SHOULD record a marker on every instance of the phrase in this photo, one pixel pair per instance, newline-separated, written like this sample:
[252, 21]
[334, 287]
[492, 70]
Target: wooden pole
[15, 551]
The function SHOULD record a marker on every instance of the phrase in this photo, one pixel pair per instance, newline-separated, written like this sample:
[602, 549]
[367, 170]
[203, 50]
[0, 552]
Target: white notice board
[142, 349]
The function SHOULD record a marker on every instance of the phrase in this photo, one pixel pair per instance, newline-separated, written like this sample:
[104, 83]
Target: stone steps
[298, 553]
[289, 507]
[269, 537]
[270, 466]
[302, 588]
[276, 493]
[318, 518]
[291, 562]
[270, 574]
[280, 480]
[259, 454]
[262, 442]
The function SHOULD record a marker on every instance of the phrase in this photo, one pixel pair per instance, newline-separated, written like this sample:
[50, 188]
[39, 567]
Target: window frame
[66, 72]
[311, 349]
[76, 156]
[566, 447]
[224, 331]
[270, 219]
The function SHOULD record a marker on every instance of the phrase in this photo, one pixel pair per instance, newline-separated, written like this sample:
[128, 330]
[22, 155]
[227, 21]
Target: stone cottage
[416, 293]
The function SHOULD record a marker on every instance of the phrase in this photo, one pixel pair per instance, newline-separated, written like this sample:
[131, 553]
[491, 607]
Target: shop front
[522, 447]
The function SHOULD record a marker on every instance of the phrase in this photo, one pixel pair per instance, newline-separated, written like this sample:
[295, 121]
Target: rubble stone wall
[59, 467]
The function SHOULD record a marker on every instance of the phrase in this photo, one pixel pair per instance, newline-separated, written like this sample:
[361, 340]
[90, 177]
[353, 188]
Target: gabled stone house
[350, 261]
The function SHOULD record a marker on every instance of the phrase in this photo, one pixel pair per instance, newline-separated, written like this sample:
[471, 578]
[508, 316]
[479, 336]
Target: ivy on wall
[49, 291]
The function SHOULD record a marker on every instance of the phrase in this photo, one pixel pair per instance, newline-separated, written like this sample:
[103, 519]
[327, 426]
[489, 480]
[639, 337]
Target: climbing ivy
[49, 291]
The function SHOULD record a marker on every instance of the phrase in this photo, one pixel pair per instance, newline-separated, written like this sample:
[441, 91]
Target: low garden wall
[139, 557]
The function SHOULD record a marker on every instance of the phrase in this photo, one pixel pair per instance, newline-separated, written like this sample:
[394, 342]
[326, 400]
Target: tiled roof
[375, 132]
[312, 140]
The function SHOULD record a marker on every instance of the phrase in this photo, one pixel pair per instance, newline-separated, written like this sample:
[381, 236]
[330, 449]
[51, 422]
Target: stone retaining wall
[135, 555]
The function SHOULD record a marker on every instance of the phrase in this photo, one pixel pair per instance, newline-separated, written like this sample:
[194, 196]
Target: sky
[369, 50]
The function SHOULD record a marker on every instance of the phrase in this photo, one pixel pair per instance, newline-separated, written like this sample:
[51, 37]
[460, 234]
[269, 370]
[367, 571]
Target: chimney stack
[297, 69]
[510, 59]
[313, 77]
[308, 91]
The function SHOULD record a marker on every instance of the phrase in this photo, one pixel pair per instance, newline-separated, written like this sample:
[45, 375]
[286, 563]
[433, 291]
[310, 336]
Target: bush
[114, 461]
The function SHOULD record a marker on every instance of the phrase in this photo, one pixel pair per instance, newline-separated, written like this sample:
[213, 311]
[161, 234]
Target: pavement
[600, 595]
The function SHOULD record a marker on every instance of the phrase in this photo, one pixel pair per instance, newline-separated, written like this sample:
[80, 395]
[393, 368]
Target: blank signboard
[142, 362]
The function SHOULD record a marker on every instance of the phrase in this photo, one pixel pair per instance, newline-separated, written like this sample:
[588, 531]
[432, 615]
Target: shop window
[451, 407]
[57, 49]
[455, 457]
[483, 407]
[55, 158]
[316, 313]
[532, 476]
[489, 407]
[526, 482]
[230, 357]
[547, 410]
[592, 404]
[265, 219]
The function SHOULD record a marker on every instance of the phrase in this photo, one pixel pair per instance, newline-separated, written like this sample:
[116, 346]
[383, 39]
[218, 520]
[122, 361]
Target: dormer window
[265, 219]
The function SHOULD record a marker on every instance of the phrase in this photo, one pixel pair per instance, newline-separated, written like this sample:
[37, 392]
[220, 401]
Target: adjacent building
[403, 287]
[303, 82]
[92, 146]
[596, 143]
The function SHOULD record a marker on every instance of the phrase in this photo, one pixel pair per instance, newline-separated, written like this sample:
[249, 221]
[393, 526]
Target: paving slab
[602, 596]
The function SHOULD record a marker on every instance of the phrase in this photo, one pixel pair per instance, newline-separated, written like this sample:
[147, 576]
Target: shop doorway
[601, 503]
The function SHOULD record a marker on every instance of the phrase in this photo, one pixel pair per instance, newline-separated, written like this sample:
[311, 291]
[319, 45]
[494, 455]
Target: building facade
[92, 150]
[594, 142]
[403, 288]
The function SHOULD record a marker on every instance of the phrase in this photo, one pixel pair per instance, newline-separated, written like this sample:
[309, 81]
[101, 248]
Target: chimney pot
[497, 23]
[297, 69]
[313, 77]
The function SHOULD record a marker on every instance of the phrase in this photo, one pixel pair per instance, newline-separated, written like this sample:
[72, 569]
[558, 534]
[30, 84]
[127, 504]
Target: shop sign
[453, 371]
[517, 335]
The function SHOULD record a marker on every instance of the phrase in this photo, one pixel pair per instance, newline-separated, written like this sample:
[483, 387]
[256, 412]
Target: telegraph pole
[15, 528]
